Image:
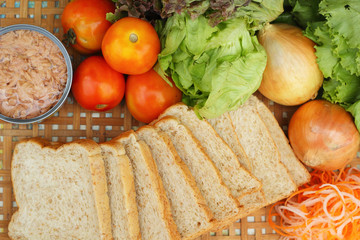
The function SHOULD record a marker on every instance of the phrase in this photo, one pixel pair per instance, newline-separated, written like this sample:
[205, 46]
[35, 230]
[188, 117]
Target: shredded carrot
[326, 208]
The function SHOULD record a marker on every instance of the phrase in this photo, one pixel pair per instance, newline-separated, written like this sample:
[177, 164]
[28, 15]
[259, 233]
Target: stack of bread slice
[176, 178]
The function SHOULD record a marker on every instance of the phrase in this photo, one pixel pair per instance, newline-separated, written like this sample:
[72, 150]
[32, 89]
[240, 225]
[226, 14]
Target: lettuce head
[217, 68]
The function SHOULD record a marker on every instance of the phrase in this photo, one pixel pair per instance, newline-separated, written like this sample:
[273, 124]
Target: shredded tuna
[33, 74]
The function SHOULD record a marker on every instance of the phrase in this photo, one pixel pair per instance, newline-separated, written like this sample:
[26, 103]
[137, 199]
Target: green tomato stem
[133, 38]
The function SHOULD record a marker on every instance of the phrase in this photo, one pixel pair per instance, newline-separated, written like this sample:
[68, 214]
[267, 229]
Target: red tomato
[87, 19]
[131, 46]
[96, 86]
[147, 95]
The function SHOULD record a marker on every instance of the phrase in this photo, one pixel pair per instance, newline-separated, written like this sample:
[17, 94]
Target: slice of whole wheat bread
[226, 130]
[297, 170]
[60, 190]
[208, 179]
[155, 218]
[237, 178]
[263, 153]
[252, 202]
[120, 182]
[191, 214]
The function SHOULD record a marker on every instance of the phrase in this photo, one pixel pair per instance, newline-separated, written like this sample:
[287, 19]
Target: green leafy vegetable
[305, 11]
[344, 18]
[355, 111]
[217, 68]
[286, 17]
[300, 12]
[333, 26]
[259, 12]
[319, 32]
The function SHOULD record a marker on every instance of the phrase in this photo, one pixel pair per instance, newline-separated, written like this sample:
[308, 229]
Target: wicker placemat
[72, 122]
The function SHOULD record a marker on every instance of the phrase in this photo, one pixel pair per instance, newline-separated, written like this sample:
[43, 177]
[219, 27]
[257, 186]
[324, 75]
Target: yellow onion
[292, 75]
[323, 135]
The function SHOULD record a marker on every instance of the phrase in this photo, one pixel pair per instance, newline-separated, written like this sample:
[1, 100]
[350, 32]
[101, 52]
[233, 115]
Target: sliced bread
[226, 130]
[191, 214]
[252, 202]
[208, 179]
[237, 178]
[155, 218]
[60, 191]
[263, 153]
[297, 170]
[120, 182]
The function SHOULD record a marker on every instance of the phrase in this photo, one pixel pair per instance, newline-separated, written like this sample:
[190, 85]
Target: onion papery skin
[323, 135]
[292, 75]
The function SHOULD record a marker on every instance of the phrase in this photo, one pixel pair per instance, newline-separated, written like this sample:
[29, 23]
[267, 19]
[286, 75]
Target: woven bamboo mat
[72, 122]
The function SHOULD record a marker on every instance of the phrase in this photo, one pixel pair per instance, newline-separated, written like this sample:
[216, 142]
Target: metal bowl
[66, 91]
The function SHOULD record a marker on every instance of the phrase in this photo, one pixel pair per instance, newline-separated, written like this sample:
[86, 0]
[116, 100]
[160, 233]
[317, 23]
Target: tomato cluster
[129, 47]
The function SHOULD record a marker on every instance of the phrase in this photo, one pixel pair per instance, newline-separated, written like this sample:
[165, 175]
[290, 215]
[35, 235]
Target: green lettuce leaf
[336, 61]
[354, 109]
[259, 12]
[344, 18]
[233, 82]
[349, 57]
[196, 37]
[343, 87]
[319, 32]
[285, 17]
[305, 11]
[216, 68]
[171, 35]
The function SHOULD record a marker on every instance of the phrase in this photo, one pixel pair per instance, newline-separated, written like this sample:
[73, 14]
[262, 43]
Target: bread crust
[236, 139]
[189, 179]
[282, 196]
[125, 169]
[278, 157]
[97, 169]
[238, 207]
[300, 169]
[164, 205]
[169, 221]
[259, 203]
[97, 173]
[181, 107]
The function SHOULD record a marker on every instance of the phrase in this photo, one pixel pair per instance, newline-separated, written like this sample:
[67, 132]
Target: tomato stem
[69, 37]
[133, 38]
[101, 106]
